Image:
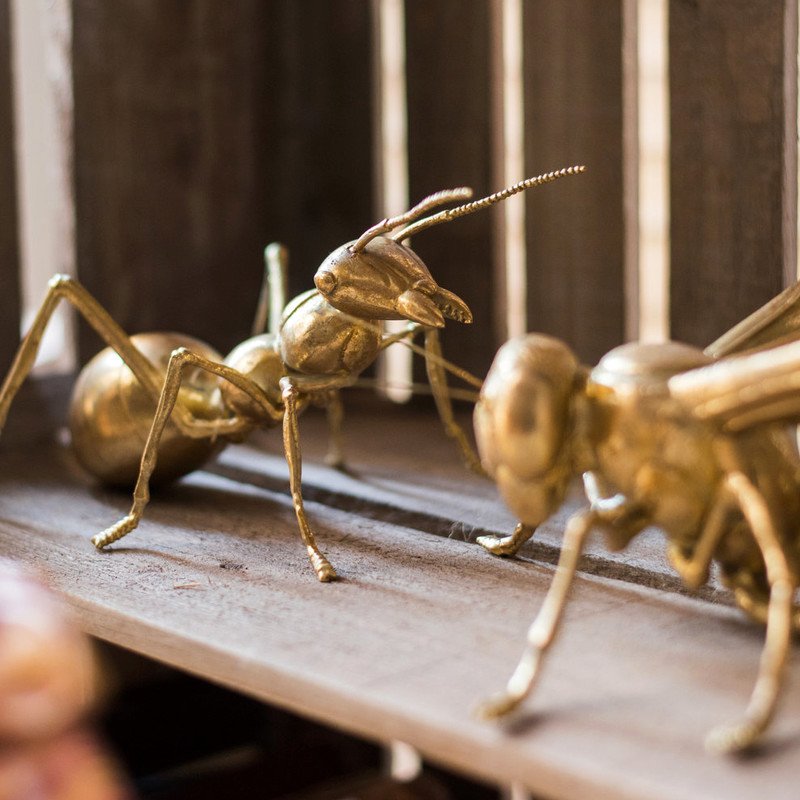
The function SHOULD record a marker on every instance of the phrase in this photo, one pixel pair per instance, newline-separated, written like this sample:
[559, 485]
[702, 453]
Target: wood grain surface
[419, 629]
[727, 162]
[9, 243]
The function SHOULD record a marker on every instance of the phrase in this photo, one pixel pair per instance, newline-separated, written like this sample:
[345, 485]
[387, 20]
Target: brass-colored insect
[699, 443]
[181, 398]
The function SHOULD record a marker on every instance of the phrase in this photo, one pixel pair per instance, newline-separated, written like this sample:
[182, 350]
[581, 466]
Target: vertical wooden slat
[449, 141]
[9, 242]
[203, 131]
[727, 161]
[574, 114]
[631, 164]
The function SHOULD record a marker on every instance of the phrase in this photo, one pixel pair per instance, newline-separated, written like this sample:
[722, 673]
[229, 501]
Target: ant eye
[325, 281]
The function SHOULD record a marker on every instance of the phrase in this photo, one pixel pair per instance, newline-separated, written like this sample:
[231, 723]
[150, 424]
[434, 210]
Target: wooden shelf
[421, 626]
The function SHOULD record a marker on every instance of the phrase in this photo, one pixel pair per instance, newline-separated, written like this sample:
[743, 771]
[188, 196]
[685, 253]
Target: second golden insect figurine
[186, 401]
[699, 443]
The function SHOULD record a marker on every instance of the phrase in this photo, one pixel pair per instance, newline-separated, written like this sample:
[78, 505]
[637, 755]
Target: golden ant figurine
[187, 402]
[699, 443]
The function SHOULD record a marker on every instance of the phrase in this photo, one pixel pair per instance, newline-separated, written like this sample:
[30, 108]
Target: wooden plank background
[727, 161]
[450, 144]
[573, 115]
[9, 243]
[203, 131]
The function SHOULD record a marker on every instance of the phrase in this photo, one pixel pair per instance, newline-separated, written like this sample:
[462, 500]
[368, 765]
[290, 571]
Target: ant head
[523, 424]
[386, 280]
[377, 277]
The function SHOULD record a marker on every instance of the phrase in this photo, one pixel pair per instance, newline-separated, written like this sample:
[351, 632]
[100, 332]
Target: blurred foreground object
[47, 687]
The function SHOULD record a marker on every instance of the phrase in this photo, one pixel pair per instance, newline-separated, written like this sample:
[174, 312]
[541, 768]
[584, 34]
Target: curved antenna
[460, 211]
[431, 201]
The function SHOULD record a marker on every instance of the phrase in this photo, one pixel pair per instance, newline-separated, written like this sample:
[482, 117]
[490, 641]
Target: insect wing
[776, 322]
[742, 391]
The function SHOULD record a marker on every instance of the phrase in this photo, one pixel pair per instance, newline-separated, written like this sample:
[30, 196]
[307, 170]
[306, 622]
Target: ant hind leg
[63, 287]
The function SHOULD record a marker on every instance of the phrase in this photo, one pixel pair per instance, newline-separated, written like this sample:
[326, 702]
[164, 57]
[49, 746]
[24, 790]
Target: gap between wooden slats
[203, 131]
[9, 247]
[728, 159]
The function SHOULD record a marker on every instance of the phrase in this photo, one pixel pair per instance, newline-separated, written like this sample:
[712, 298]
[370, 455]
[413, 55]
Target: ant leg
[64, 287]
[441, 395]
[180, 360]
[544, 628]
[334, 409]
[291, 445]
[757, 607]
[693, 568]
[764, 697]
[507, 545]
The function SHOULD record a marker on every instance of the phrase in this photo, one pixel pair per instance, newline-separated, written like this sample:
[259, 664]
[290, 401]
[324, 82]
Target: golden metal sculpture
[699, 443]
[185, 401]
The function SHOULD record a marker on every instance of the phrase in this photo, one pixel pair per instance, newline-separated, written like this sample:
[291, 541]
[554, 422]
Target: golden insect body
[701, 444]
[180, 401]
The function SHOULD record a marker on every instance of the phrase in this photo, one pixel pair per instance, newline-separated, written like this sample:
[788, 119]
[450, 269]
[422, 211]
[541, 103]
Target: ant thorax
[316, 339]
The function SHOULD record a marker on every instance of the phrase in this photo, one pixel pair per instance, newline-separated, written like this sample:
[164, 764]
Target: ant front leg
[190, 426]
[291, 445]
[441, 395]
[545, 627]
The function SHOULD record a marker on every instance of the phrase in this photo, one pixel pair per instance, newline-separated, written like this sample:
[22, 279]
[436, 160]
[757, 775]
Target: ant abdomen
[111, 413]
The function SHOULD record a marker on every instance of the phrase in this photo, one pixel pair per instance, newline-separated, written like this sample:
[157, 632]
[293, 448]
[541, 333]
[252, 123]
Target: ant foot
[498, 545]
[323, 568]
[497, 706]
[732, 738]
[115, 532]
[336, 461]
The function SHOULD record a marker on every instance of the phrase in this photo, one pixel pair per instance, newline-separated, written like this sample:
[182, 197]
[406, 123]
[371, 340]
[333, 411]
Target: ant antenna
[431, 201]
[477, 205]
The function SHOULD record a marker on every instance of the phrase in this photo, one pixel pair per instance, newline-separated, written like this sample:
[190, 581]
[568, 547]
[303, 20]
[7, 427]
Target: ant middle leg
[199, 428]
[291, 445]
[334, 409]
[693, 568]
